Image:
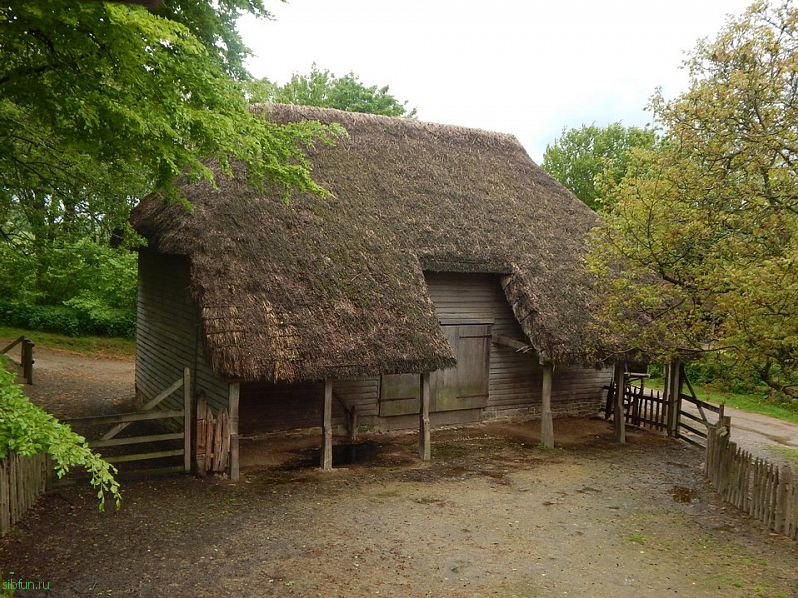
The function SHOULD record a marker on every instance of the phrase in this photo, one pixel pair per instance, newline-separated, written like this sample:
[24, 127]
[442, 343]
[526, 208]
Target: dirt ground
[491, 515]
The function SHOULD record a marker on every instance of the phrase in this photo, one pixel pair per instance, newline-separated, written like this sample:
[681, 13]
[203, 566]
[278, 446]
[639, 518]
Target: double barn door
[464, 386]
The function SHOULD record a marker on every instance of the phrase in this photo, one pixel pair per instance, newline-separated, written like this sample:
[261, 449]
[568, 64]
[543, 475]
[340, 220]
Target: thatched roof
[333, 287]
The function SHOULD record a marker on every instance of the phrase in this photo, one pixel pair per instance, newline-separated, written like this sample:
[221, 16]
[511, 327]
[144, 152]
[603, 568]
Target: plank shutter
[399, 395]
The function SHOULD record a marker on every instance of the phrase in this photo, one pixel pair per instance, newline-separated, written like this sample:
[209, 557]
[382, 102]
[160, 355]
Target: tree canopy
[700, 253]
[324, 89]
[584, 159]
[102, 102]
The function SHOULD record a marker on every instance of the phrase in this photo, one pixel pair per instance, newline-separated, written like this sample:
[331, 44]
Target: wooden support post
[618, 414]
[424, 448]
[546, 424]
[187, 419]
[232, 406]
[326, 428]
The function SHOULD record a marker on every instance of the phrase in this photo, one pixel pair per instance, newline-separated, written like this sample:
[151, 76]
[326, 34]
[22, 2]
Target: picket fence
[766, 491]
[22, 480]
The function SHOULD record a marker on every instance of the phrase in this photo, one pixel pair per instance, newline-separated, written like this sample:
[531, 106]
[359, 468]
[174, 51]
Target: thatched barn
[440, 282]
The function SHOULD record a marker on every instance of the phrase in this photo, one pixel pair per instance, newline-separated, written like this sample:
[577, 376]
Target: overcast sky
[525, 67]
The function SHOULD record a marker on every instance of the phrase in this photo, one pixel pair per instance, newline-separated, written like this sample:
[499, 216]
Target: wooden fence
[765, 491]
[148, 413]
[213, 438]
[26, 359]
[678, 416]
[22, 480]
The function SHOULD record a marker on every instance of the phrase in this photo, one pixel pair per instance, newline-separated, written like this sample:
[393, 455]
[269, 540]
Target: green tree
[585, 160]
[700, 253]
[102, 103]
[323, 88]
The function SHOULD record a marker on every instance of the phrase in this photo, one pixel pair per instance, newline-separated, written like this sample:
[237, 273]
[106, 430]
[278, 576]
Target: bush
[75, 319]
[79, 288]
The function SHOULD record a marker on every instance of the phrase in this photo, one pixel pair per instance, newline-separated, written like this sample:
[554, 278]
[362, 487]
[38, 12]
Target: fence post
[673, 387]
[782, 500]
[27, 360]
[619, 418]
[187, 418]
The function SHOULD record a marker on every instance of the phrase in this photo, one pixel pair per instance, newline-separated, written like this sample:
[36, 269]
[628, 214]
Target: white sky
[525, 67]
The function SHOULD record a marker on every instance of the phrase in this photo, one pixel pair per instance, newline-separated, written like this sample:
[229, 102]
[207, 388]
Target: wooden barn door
[463, 387]
[466, 385]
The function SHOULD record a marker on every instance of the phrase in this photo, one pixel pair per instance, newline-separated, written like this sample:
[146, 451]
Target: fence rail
[148, 412]
[756, 486]
[22, 480]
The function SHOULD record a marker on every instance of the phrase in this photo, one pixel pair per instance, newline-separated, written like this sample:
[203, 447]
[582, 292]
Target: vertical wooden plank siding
[235, 390]
[546, 425]
[167, 333]
[326, 428]
[424, 448]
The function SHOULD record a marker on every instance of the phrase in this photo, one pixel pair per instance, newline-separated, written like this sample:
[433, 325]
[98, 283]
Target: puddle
[683, 494]
[343, 454]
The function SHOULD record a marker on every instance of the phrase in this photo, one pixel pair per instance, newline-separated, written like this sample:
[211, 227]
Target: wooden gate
[687, 417]
[148, 413]
[213, 438]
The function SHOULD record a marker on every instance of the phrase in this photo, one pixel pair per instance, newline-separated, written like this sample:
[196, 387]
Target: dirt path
[490, 515]
[72, 385]
[760, 434]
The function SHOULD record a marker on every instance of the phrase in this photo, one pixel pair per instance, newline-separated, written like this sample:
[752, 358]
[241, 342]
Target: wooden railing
[756, 486]
[22, 480]
[26, 357]
[147, 413]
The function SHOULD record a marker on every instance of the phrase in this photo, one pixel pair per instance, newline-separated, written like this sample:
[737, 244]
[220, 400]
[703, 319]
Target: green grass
[755, 403]
[94, 346]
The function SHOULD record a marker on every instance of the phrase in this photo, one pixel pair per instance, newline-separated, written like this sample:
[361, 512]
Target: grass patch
[94, 346]
[755, 403]
[788, 454]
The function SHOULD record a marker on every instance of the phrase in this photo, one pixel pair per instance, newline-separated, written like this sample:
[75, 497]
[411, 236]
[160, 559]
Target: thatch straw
[333, 287]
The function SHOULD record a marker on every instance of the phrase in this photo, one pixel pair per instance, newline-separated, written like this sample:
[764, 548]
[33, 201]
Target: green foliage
[588, 159]
[75, 288]
[323, 88]
[28, 430]
[103, 103]
[700, 253]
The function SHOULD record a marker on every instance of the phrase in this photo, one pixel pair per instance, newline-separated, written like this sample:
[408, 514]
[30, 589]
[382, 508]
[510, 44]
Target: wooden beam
[512, 343]
[188, 417]
[546, 424]
[232, 406]
[326, 428]
[618, 415]
[424, 448]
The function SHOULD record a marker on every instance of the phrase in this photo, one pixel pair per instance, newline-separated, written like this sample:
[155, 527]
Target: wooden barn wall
[515, 378]
[514, 385]
[166, 333]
